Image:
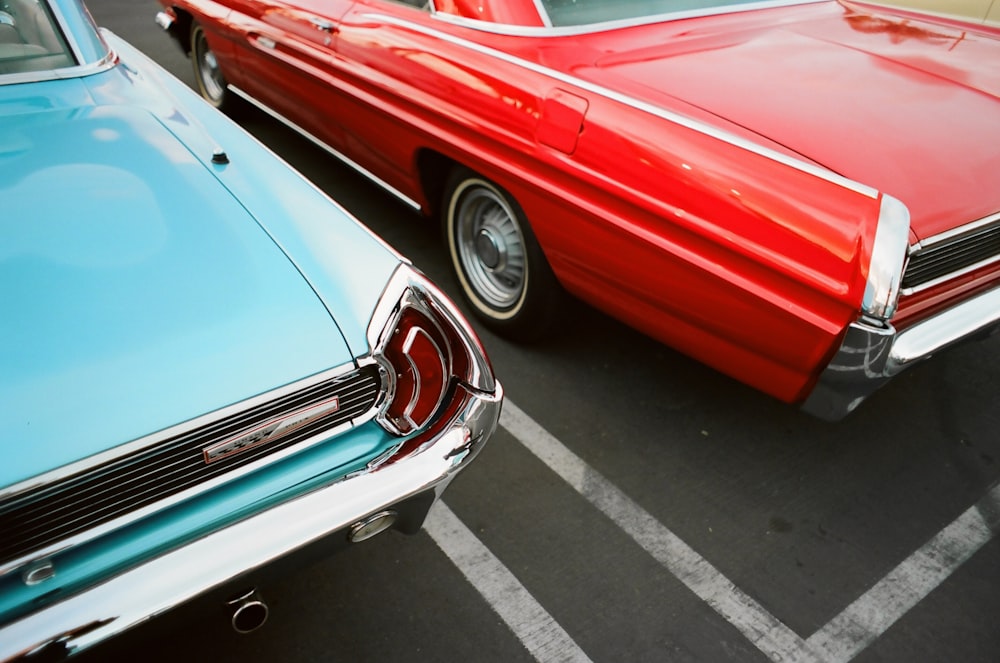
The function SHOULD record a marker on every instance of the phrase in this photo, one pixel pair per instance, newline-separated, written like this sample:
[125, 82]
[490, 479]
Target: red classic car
[803, 194]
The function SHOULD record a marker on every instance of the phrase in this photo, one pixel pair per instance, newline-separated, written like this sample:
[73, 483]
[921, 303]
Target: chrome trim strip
[947, 236]
[953, 275]
[542, 14]
[139, 445]
[135, 446]
[80, 70]
[154, 587]
[955, 232]
[319, 143]
[67, 35]
[590, 28]
[656, 111]
[109, 61]
[885, 271]
[870, 355]
[134, 516]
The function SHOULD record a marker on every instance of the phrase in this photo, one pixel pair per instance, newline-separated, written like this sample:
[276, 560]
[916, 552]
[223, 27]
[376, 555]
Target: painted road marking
[839, 641]
[872, 614]
[759, 626]
[537, 630]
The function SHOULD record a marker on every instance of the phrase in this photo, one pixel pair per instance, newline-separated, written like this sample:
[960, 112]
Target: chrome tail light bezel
[411, 302]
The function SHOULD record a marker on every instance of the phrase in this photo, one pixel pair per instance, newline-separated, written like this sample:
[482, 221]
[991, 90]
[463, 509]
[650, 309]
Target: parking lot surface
[638, 506]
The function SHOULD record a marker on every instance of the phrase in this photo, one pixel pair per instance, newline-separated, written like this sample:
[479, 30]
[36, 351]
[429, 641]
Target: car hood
[137, 292]
[911, 109]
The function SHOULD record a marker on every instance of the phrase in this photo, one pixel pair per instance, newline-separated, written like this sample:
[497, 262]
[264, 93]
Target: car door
[407, 88]
[285, 55]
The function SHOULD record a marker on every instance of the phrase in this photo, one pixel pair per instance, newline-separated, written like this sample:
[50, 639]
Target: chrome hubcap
[491, 247]
[488, 248]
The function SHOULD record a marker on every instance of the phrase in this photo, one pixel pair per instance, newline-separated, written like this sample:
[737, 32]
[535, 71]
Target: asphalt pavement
[638, 506]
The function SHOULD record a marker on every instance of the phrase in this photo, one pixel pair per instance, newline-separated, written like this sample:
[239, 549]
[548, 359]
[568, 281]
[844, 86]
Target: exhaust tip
[248, 612]
[371, 526]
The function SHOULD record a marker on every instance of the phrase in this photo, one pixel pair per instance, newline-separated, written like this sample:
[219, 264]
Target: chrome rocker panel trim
[156, 586]
[870, 354]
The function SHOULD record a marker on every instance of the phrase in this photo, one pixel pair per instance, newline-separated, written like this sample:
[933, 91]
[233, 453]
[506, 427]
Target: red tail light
[418, 354]
[424, 346]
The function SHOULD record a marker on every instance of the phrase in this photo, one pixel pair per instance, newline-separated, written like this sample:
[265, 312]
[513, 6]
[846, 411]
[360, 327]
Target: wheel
[207, 75]
[503, 273]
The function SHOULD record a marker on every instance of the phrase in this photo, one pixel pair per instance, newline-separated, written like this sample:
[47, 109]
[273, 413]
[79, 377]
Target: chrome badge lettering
[269, 432]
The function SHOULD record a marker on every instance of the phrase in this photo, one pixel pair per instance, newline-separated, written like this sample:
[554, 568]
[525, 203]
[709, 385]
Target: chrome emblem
[38, 572]
[269, 432]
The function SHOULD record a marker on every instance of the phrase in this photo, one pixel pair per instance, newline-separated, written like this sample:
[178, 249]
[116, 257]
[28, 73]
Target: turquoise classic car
[206, 365]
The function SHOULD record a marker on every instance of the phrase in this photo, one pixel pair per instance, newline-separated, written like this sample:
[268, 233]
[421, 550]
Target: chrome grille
[61, 510]
[952, 256]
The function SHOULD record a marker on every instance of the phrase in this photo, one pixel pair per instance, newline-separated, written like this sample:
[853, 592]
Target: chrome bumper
[158, 585]
[870, 355]
[165, 19]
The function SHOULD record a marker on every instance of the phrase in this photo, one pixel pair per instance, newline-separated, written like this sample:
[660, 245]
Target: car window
[584, 12]
[30, 39]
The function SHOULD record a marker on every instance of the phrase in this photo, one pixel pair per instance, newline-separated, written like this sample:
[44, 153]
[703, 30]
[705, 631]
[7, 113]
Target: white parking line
[537, 630]
[765, 631]
[872, 614]
[840, 640]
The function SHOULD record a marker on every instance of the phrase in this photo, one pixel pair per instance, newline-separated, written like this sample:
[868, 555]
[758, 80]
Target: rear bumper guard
[870, 354]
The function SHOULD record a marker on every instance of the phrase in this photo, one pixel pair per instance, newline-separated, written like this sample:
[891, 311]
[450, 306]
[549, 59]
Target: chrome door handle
[323, 24]
[262, 41]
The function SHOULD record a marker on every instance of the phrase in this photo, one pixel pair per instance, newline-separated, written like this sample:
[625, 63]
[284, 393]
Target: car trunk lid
[909, 108]
[138, 293]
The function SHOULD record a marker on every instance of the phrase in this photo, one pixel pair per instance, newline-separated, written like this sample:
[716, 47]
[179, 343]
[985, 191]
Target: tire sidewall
[199, 45]
[541, 304]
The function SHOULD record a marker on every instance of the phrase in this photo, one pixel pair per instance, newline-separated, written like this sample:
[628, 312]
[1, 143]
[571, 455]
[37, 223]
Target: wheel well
[433, 169]
[181, 29]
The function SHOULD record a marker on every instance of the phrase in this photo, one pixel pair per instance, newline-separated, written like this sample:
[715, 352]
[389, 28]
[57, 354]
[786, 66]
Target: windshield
[30, 39]
[582, 12]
